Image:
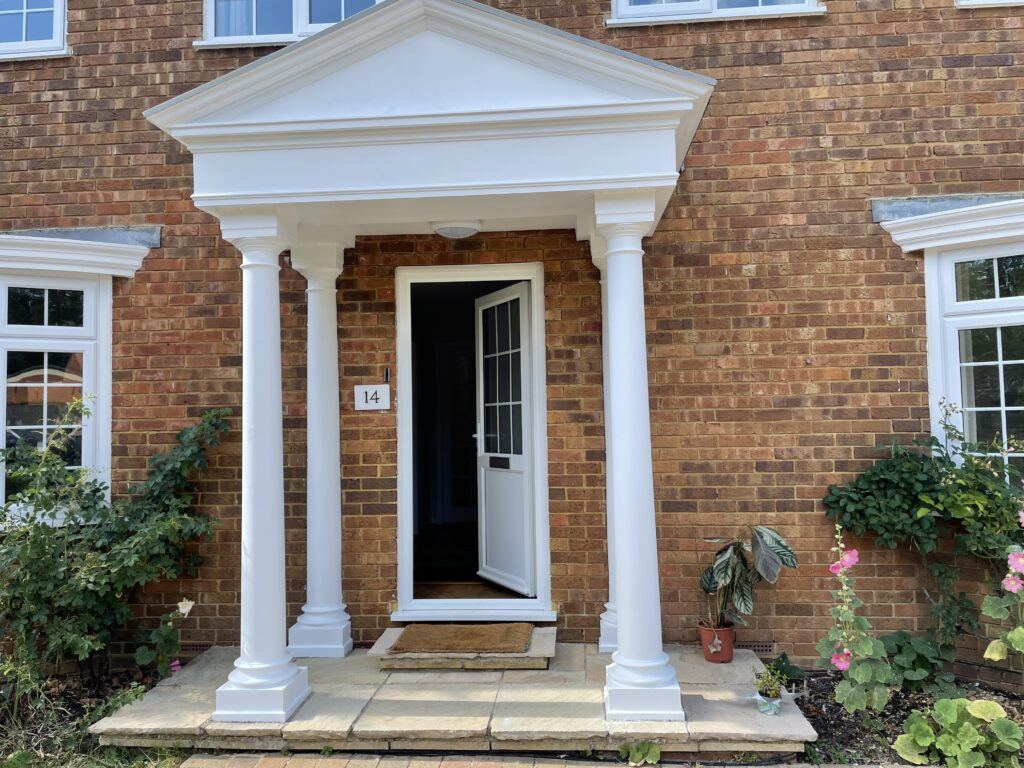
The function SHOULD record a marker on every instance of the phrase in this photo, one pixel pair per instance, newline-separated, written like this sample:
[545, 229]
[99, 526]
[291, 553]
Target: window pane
[39, 26]
[65, 308]
[11, 27]
[1011, 276]
[491, 429]
[25, 305]
[517, 378]
[489, 332]
[504, 374]
[978, 345]
[352, 7]
[502, 327]
[517, 429]
[34, 4]
[324, 11]
[11, 5]
[57, 401]
[1013, 342]
[505, 428]
[1013, 382]
[737, 3]
[981, 386]
[491, 380]
[24, 406]
[24, 367]
[974, 280]
[1015, 424]
[71, 451]
[273, 17]
[982, 426]
[64, 367]
[232, 17]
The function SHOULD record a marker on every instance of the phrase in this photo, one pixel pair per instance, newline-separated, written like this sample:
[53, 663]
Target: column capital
[257, 234]
[624, 213]
[598, 254]
[319, 262]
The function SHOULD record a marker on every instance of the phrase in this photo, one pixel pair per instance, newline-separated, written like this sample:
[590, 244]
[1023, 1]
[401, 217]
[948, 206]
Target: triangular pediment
[427, 57]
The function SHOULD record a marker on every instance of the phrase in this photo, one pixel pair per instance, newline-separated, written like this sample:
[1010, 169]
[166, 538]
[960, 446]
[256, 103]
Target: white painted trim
[974, 224]
[526, 609]
[53, 254]
[966, 4]
[688, 13]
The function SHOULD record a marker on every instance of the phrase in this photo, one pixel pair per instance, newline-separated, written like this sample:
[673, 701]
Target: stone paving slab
[534, 711]
[167, 711]
[436, 712]
[328, 713]
[739, 721]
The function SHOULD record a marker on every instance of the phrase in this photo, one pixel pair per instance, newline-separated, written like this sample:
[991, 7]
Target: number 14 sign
[373, 397]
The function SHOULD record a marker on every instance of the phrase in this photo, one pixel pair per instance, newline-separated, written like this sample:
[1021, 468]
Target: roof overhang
[991, 222]
[424, 110]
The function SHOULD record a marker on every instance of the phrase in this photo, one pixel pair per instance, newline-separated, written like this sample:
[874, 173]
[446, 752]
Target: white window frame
[42, 49]
[624, 14]
[93, 340]
[302, 27]
[987, 3]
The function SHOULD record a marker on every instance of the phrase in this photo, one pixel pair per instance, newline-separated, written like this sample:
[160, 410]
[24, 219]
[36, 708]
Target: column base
[325, 641]
[273, 704]
[608, 641]
[661, 703]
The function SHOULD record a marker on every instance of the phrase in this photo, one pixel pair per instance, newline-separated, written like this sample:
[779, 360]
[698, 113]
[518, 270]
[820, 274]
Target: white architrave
[641, 683]
[58, 254]
[266, 685]
[324, 628]
[988, 223]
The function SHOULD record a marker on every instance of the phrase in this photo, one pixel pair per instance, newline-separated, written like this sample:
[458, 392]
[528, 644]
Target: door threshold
[527, 609]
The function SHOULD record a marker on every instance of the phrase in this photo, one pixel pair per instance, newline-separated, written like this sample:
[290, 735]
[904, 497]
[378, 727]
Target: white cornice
[975, 224]
[51, 254]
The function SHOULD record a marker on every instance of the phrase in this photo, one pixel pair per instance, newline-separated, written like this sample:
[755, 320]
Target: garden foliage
[69, 558]
[961, 734]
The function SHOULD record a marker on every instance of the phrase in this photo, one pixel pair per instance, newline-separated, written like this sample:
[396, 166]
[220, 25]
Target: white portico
[410, 117]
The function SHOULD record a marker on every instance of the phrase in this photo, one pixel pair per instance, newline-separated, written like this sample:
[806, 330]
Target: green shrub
[961, 734]
[916, 662]
[66, 586]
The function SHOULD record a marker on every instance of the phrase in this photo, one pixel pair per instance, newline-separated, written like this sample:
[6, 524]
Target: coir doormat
[463, 638]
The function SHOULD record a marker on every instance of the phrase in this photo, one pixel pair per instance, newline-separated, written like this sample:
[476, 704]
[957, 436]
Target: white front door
[504, 440]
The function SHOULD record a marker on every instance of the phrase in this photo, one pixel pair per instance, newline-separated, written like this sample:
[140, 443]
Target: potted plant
[770, 684]
[729, 584]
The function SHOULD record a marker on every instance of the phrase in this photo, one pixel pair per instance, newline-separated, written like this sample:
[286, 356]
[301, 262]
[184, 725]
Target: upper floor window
[247, 22]
[626, 12]
[31, 28]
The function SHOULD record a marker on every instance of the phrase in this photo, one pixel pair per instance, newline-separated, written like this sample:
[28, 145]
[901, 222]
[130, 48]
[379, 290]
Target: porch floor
[356, 706]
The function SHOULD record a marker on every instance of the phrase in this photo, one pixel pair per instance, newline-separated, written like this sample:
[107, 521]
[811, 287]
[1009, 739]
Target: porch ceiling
[424, 110]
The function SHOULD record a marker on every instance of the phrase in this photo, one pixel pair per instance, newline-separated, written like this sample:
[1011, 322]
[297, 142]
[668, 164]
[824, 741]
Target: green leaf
[994, 607]
[766, 560]
[861, 672]
[921, 732]
[986, 710]
[1016, 639]
[1008, 733]
[970, 759]
[946, 711]
[144, 656]
[879, 697]
[909, 750]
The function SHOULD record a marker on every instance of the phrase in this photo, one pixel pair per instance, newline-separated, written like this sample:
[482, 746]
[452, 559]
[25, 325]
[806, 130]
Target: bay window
[255, 22]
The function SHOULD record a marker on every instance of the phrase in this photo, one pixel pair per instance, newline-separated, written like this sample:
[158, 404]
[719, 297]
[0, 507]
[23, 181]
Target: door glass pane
[24, 367]
[273, 17]
[981, 386]
[502, 327]
[232, 18]
[517, 429]
[505, 428]
[352, 7]
[324, 11]
[489, 331]
[1011, 276]
[504, 374]
[978, 345]
[65, 308]
[491, 380]
[517, 378]
[514, 323]
[491, 429]
[25, 306]
[974, 280]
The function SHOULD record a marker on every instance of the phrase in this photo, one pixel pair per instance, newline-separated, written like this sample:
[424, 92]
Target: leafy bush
[66, 586]
[770, 683]
[1009, 605]
[962, 734]
[166, 642]
[916, 662]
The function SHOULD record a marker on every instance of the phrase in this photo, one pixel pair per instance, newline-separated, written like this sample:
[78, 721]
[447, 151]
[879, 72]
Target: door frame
[477, 609]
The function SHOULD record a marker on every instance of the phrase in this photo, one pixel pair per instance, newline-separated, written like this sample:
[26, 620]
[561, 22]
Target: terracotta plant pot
[717, 651]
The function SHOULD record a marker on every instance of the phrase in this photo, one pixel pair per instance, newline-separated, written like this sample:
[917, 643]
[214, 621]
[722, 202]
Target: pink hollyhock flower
[1020, 516]
[1016, 561]
[850, 558]
[841, 661]
[1013, 583]
[835, 569]
[175, 666]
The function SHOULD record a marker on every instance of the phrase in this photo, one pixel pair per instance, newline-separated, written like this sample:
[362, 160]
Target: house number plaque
[373, 397]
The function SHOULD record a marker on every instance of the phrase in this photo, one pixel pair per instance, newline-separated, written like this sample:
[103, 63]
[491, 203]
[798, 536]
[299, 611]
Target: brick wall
[786, 332]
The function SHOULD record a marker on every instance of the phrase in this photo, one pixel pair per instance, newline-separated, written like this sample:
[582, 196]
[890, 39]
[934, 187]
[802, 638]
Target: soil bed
[865, 738]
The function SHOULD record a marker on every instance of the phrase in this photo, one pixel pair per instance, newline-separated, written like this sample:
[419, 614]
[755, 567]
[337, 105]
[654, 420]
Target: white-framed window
[638, 12]
[32, 28]
[976, 340]
[55, 347]
[256, 22]
[987, 3]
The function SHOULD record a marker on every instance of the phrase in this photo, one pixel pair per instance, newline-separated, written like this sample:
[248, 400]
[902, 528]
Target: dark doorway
[445, 534]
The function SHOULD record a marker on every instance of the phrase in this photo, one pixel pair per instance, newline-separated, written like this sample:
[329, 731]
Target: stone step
[536, 656]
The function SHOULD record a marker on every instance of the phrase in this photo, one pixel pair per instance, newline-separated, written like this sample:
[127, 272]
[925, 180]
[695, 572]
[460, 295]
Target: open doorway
[472, 516]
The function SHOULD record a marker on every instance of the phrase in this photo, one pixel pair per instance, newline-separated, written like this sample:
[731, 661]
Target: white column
[266, 685]
[641, 683]
[608, 640]
[324, 628]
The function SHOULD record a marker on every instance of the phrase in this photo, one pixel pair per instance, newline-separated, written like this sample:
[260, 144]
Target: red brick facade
[786, 332]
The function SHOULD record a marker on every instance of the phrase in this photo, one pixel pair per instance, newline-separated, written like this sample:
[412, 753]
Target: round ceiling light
[456, 230]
